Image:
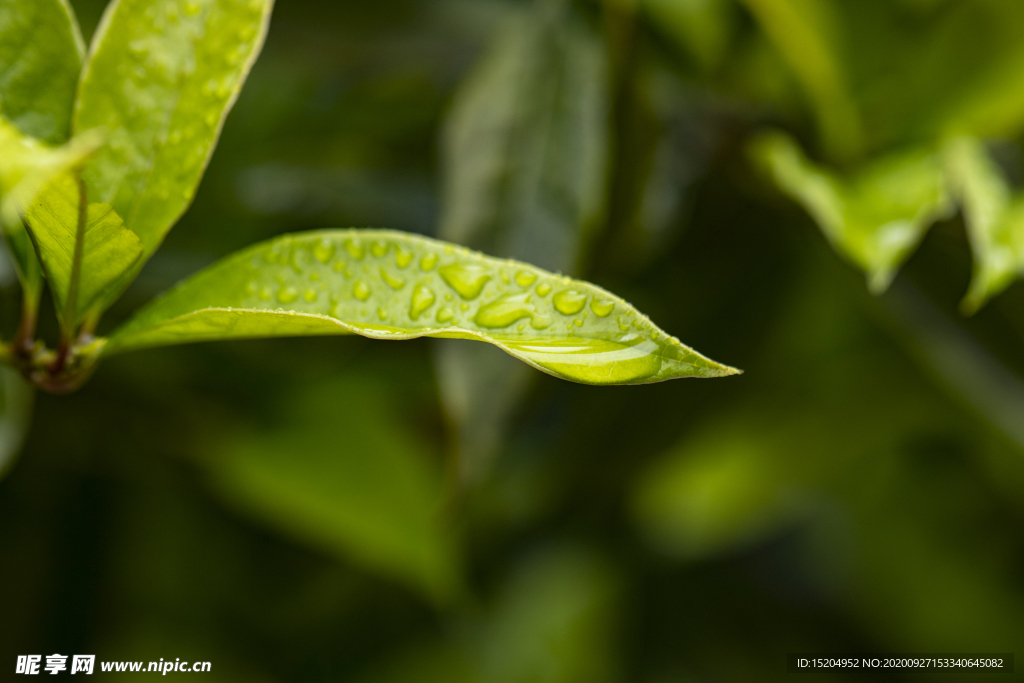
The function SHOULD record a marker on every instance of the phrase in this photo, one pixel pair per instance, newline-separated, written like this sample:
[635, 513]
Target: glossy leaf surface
[161, 78]
[390, 285]
[41, 52]
[524, 157]
[340, 471]
[108, 249]
[994, 218]
[877, 216]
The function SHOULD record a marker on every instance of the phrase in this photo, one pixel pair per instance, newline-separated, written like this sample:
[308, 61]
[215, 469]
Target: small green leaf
[392, 285]
[806, 34]
[108, 250]
[26, 166]
[876, 217]
[15, 415]
[994, 218]
[161, 78]
[41, 53]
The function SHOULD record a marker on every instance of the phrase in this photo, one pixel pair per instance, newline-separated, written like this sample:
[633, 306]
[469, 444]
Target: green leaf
[994, 218]
[161, 78]
[15, 416]
[41, 53]
[108, 249]
[391, 285]
[343, 473]
[877, 216]
[806, 34]
[525, 149]
[703, 27]
[26, 166]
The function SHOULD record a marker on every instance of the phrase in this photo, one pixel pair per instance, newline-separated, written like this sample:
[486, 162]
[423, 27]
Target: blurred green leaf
[26, 166]
[525, 148]
[161, 78]
[994, 218]
[702, 27]
[108, 249]
[807, 35]
[41, 51]
[875, 217]
[342, 472]
[390, 285]
[16, 397]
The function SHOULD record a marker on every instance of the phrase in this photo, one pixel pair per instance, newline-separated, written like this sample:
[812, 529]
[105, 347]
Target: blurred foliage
[302, 509]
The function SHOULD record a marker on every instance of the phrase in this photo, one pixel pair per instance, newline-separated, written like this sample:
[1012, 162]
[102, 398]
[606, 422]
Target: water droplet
[594, 361]
[286, 295]
[467, 279]
[382, 314]
[505, 311]
[525, 278]
[392, 281]
[361, 291]
[602, 308]
[422, 299]
[578, 322]
[299, 260]
[355, 249]
[464, 307]
[402, 258]
[444, 314]
[379, 248]
[338, 267]
[428, 262]
[569, 301]
[504, 276]
[623, 323]
[324, 250]
[311, 295]
[543, 289]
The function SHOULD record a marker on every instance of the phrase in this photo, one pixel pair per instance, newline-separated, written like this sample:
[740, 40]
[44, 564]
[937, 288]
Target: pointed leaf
[41, 53]
[994, 218]
[161, 78]
[391, 285]
[108, 250]
[876, 217]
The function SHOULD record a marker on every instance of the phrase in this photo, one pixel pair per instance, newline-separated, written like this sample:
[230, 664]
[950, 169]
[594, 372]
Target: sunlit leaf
[343, 473]
[15, 415]
[108, 249]
[524, 158]
[161, 78]
[26, 166]
[41, 52]
[806, 33]
[994, 218]
[391, 285]
[875, 217]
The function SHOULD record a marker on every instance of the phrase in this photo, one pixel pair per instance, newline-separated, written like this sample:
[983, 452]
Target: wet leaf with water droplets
[876, 217]
[190, 65]
[222, 303]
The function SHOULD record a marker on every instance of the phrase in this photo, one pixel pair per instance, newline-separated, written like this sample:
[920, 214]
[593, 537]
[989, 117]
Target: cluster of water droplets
[404, 285]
